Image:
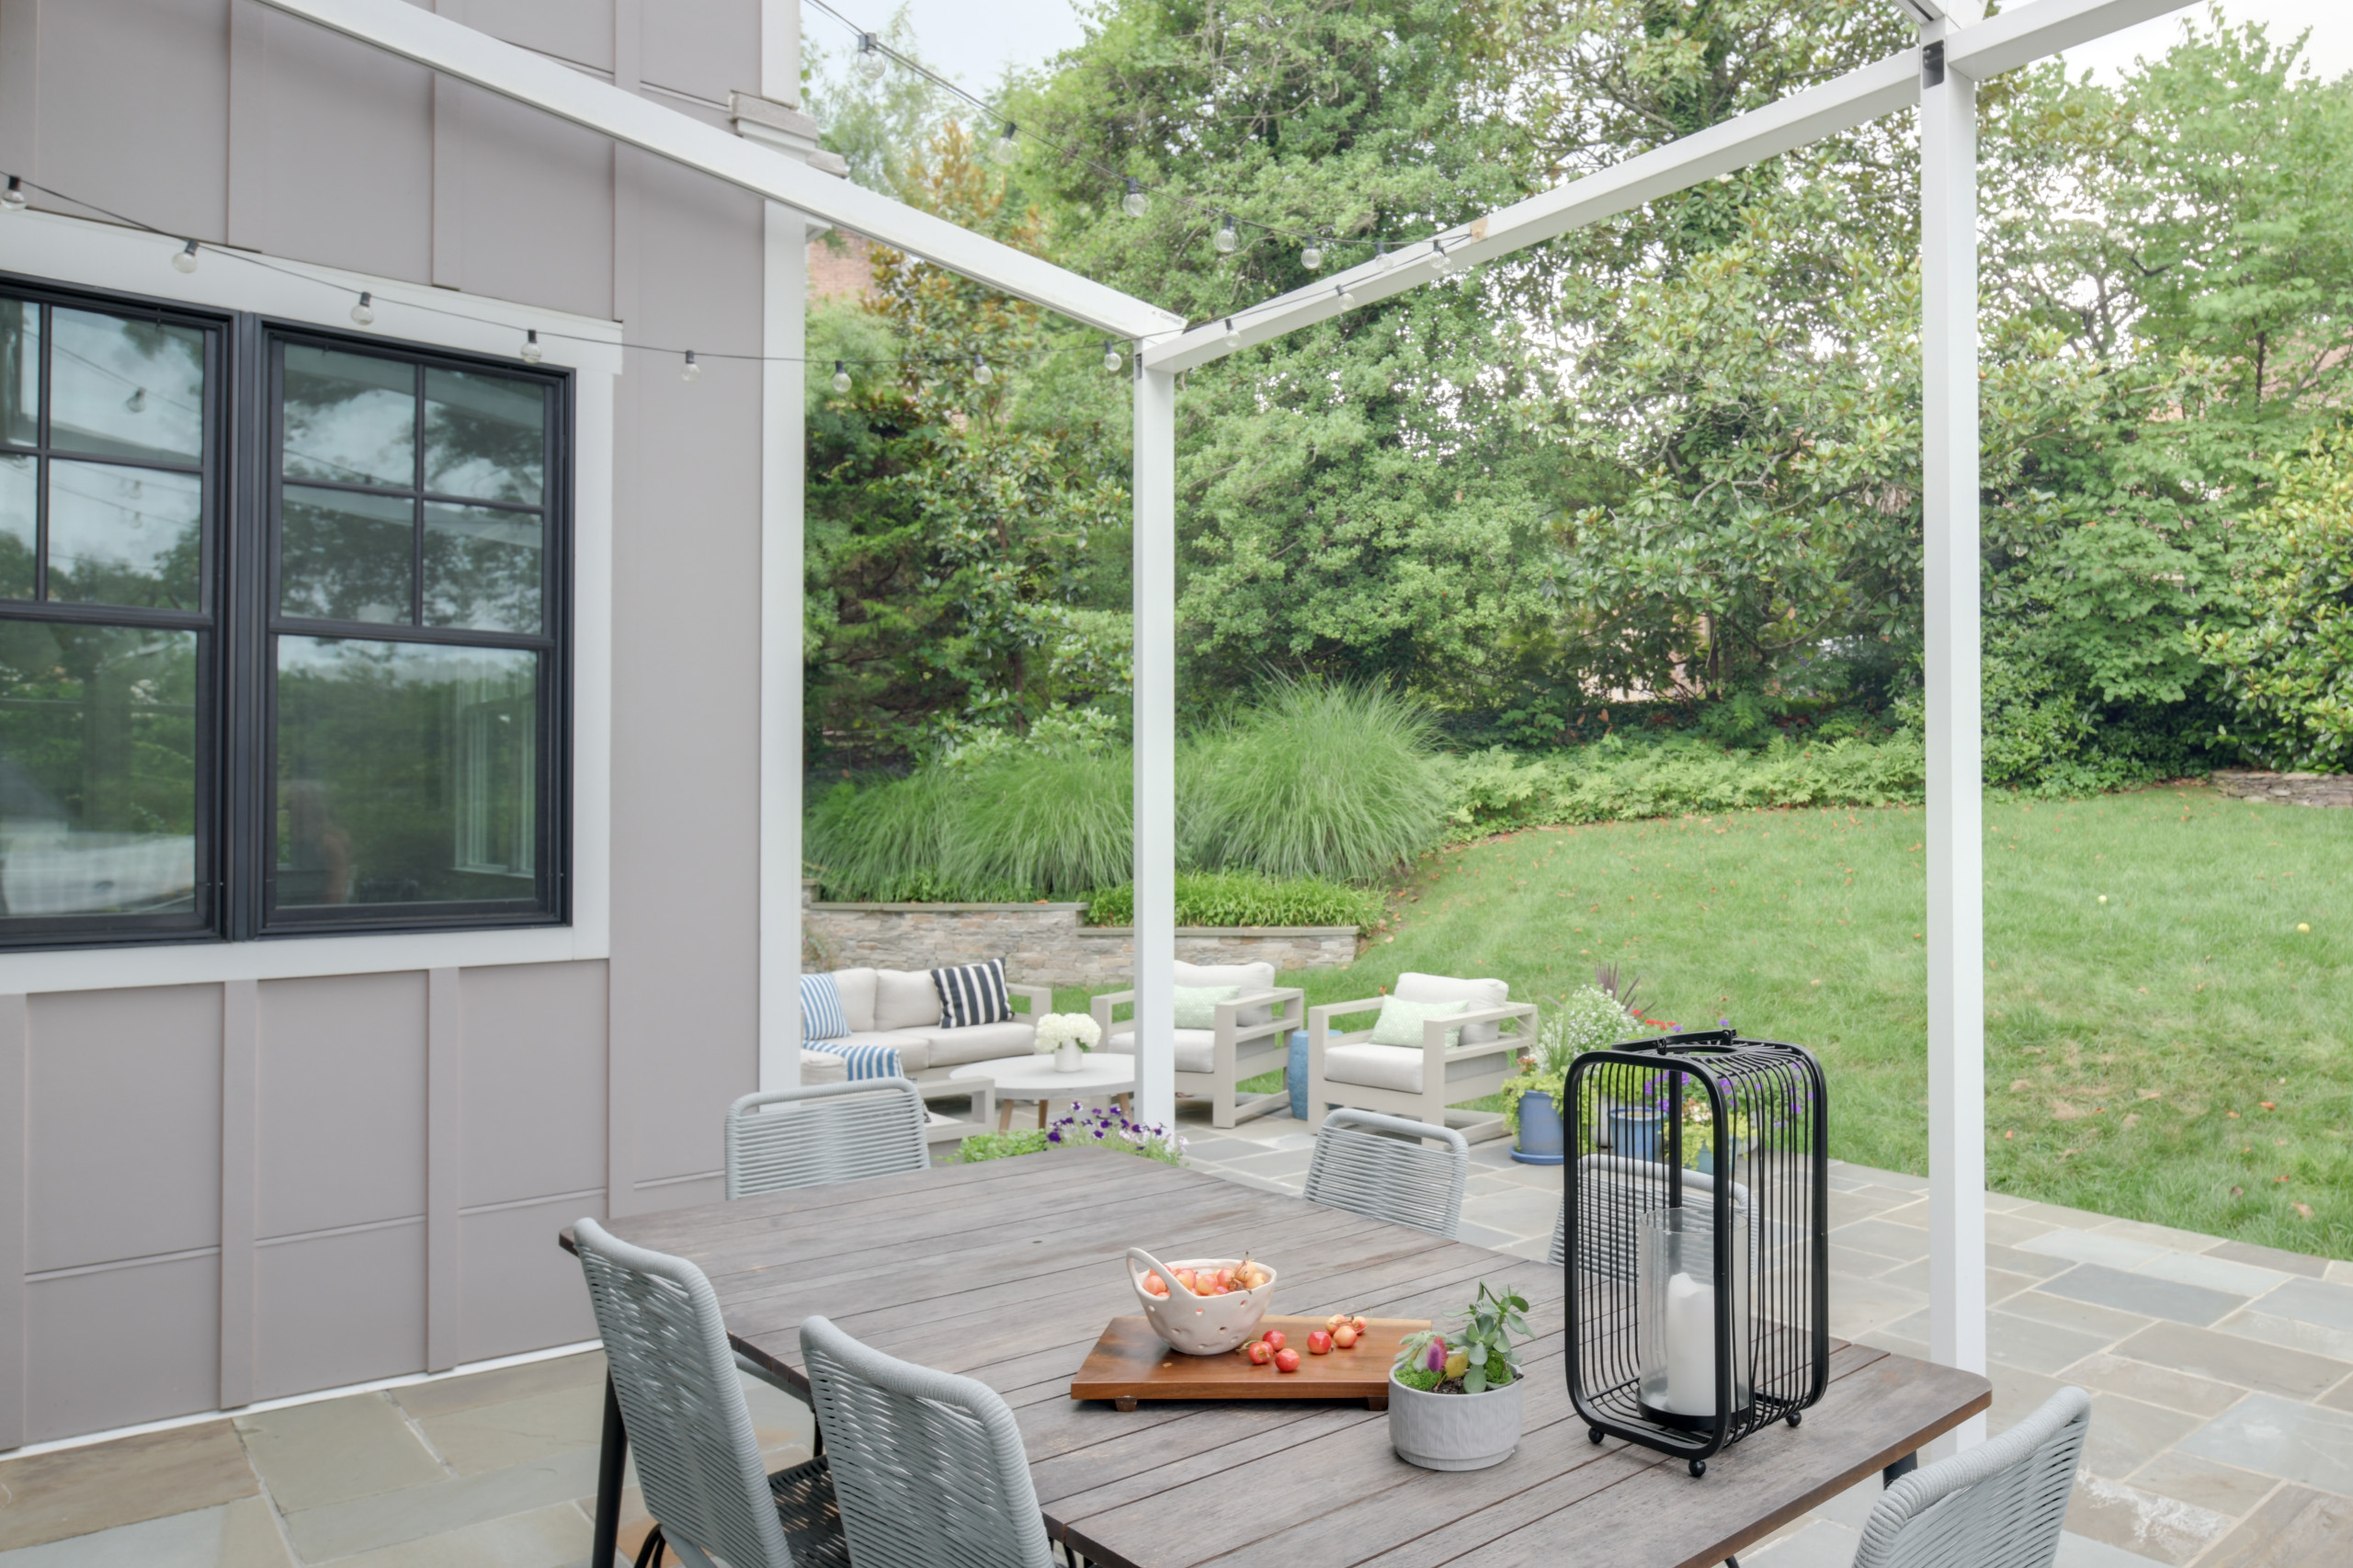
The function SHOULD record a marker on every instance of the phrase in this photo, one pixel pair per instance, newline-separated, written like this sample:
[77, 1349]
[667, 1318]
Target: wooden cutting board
[1132, 1363]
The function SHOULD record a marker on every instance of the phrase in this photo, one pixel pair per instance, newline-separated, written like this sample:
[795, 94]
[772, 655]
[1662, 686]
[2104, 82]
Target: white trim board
[103, 256]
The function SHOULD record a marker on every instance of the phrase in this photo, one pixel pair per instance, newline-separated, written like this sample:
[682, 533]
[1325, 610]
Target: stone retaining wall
[2288, 788]
[1044, 944]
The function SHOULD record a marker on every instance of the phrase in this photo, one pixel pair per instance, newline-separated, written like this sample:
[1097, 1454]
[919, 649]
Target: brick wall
[1044, 944]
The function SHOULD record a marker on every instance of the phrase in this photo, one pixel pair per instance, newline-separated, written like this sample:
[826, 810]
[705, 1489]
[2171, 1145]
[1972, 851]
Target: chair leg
[650, 1552]
[613, 1456]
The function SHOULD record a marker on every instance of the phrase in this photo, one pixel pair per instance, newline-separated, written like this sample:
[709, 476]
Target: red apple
[1260, 1352]
[1319, 1342]
[1286, 1360]
[1275, 1338]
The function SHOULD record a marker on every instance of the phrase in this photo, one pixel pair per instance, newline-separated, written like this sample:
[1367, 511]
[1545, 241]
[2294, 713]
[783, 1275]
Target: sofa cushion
[1195, 1007]
[823, 1067]
[1397, 1067]
[1196, 1049]
[1480, 993]
[905, 999]
[821, 1008]
[972, 994]
[1400, 1021]
[979, 1042]
[855, 988]
[914, 1046]
[1252, 977]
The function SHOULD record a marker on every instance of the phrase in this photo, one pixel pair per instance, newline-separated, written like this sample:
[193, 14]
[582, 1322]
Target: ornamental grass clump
[1477, 1357]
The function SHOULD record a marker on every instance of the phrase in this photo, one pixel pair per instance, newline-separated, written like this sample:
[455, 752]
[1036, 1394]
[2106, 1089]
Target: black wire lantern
[1697, 1256]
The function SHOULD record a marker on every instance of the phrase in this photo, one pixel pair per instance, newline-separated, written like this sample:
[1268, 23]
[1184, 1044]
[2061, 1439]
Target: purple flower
[1435, 1357]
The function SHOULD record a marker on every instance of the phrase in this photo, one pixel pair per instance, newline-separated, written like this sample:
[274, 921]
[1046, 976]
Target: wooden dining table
[1009, 1270]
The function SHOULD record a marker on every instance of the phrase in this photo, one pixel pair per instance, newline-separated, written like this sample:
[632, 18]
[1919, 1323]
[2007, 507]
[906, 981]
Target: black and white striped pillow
[972, 994]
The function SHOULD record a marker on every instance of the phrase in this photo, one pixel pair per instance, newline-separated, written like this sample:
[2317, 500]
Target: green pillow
[1400, 1021]
[1196, 1005]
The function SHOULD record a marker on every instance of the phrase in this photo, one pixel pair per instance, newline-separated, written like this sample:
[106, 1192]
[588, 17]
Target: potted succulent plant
[1068, 1036]
[1536, 1101]
[1454, 1399]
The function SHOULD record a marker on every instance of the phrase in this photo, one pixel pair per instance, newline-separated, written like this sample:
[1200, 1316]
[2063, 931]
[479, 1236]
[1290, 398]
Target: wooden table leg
[1041, 1114]
[1004, 1115]
[610, 1458]
[1127, 1104]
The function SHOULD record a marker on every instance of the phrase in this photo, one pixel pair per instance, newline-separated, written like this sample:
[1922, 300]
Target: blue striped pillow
[972, 994]
[822, 1015]
[863, 1060]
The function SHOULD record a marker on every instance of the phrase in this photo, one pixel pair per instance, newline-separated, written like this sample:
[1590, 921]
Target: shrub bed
[1242, 898]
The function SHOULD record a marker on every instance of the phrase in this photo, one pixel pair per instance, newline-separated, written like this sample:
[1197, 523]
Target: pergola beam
[512, 72]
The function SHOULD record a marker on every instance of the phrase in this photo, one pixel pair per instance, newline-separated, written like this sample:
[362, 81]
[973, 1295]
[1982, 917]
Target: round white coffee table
[1033, 1077]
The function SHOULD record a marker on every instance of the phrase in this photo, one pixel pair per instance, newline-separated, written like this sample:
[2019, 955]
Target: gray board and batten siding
[245, 1189]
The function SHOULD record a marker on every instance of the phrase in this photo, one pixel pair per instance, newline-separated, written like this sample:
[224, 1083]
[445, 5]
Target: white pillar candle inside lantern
[1676, 1289]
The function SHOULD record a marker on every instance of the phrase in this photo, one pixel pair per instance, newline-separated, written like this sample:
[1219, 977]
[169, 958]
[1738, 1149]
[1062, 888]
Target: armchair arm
[1041, 998]
[1434, 1030]
[1102, 1007]
[1324, 1013]
[1288, 1006]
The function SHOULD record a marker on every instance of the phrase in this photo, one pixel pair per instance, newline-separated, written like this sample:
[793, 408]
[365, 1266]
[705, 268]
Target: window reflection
[482, 568]
[20, 496]
[20, 371]
[407, 773]
[485, 437]
[350, 418]
[97, 769]
[125, 536]
[124, 388]
[345, 555]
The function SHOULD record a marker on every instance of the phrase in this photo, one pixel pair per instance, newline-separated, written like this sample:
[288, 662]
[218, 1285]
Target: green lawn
[2178, 1054]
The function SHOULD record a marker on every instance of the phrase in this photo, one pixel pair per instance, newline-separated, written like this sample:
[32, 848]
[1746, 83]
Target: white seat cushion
[823, 1067]
[904, 999]
[1196, 1049]
[1251, 977]
[979, 1043]
[1480, 993]
[1397, 1067]
[856, 987]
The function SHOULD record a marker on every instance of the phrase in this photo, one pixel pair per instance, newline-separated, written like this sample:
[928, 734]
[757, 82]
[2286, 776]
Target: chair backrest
[1386, 1167]
[697, 1459]
[1605, 1232]
[929, 1467]
[823, 1133]
[1999, 1504]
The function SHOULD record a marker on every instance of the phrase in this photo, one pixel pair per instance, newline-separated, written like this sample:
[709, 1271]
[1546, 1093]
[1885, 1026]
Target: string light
[841, 377]
[364, 313]
[1445, 266]
[1347, 295]
[1311, 255]
[982, 374]
[531, 349]
[1111, 360]
[868, 61]
[1233, 336]
[1380, 254]
[1134, 204]
[1227, 239]
[185, 258]
[13, 199]
[1005, 151]
[689, 371]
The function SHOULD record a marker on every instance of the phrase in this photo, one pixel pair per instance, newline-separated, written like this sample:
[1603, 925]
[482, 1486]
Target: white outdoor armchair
[1252, 1036]
[1386, 1167]
[1346, 1068]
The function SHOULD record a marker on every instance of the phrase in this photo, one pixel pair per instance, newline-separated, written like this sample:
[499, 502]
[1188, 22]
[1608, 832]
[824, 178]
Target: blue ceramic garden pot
[1295, 1074]
[1636, 1135]
[1543, 1141]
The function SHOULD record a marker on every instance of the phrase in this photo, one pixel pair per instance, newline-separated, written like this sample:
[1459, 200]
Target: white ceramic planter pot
[1069, 1059]
[1454, 1431]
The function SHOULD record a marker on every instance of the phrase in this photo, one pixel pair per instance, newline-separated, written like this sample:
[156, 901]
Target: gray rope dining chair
[928, 1466]
[825, 1133]
[2000, 1505]
[697, 1461]
[1386, 1167]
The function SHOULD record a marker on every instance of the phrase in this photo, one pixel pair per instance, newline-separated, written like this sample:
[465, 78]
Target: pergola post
[1955, 856]
[1156, 743]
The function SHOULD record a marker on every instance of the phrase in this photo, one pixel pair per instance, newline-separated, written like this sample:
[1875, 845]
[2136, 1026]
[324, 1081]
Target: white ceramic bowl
[1199, 1325]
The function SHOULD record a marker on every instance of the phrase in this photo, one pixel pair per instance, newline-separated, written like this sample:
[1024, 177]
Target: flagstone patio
[2221, 1379]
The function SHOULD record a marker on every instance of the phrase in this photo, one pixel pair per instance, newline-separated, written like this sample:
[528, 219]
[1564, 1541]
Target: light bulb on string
[1311, 255]
[13, 199]
[184, 259]
[1135, 204]
[1380, 254]
[531, 349]
[1227, 237]
[1005, 151]
[364, 313]
[868, 61]
[1347, 295]
[841, 377]
[689, 371]
[1233, 337]
[1111, 360]
[982, 374]
[1445, 266]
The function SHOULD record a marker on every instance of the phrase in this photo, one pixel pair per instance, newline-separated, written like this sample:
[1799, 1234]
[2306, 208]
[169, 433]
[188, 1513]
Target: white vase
[1069, 1059]
[1454, 1431]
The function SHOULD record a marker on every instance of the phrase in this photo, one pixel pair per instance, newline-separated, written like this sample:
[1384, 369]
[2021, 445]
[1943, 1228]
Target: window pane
[482, 568]
[485, 435]
[20, 371]
[345, 556]
[125, 389]
[406, 774]
[19, 478]
[124, 536]
[97, 769]
[349, 417]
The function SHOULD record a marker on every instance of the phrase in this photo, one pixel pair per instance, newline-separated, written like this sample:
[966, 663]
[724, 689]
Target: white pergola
[1959, 49]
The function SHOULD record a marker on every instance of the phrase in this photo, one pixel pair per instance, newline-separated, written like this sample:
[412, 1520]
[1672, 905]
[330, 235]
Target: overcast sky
[977, 38]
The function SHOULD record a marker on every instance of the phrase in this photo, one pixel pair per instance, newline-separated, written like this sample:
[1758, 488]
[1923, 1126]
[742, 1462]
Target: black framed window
[282, 628]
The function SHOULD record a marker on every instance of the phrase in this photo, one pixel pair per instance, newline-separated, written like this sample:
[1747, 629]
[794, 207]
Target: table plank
[1007, 1270]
